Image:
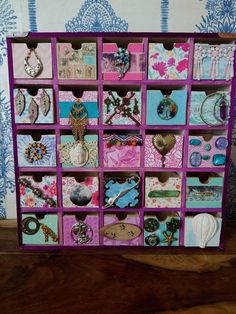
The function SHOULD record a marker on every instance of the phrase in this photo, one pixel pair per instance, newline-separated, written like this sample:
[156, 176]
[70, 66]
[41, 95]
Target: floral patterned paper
[48, 186]
[168, 64]
[68, 183]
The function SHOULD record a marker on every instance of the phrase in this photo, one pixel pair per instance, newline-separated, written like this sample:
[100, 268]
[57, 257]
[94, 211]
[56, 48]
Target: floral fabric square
[168, 64]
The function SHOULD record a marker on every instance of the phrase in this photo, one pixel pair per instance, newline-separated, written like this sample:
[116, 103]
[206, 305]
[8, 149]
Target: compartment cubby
[81, 229]
[166, 106]
[202, 229]
[77, 58]
[161, 228]
[127, 54]
[139, 156]
[168, 59]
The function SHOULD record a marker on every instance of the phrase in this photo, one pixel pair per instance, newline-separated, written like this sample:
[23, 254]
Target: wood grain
[116, 281]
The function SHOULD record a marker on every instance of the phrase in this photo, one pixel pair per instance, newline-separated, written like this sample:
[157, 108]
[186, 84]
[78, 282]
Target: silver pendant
[45, 103]
[33, 71]
[33, 111]
[20, 102]
[79, 154]
[81, 233]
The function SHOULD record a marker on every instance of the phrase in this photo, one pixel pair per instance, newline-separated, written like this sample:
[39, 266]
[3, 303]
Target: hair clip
[36, 71]
[81, 232]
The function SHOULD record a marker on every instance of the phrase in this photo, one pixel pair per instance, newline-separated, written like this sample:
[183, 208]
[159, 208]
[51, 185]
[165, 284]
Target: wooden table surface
[118, 280]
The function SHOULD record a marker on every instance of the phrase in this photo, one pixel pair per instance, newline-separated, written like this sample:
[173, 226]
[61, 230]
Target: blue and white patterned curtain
[95, 16]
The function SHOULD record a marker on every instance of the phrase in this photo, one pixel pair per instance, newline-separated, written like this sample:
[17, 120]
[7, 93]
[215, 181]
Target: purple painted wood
[143, 85]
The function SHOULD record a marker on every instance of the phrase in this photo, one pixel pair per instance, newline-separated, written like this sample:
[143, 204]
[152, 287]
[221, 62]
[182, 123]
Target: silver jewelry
[20, 102]
[33, 71]
[81, 233]
[216, 114]
[45, 103]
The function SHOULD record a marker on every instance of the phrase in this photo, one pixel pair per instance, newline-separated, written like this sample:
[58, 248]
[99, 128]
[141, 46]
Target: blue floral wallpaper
[98, 16]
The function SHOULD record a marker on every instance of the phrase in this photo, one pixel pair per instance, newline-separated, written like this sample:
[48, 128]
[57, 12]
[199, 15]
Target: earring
[33, 72]
[33, 111]
[81, 233]
[122, 61]
[20, 102]
[45, 103]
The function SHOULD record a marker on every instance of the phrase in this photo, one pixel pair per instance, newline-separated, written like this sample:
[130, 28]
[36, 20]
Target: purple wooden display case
[56, 84]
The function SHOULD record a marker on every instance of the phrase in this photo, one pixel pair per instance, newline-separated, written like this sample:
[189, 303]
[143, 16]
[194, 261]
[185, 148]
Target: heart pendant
[163, 143]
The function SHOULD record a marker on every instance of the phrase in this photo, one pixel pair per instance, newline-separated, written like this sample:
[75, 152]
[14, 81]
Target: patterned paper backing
[88, 96]
[49, 160]
[68, 183]
[20, 52]
[172, 160]
[132, 219]
[200, 149]
[161, 228]
[48, 186]
[51, 221]
[168, 64]
[24, 117]
[153, 183]
[121, 155]
[137, 62]
[70, 220]
[118, 119]
[77, 63]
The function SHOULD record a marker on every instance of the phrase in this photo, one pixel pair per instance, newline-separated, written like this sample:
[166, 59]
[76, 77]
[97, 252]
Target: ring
[27, 228]
[81, 233]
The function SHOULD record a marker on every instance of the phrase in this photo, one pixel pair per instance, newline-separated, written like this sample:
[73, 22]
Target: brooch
[122, 61]
[35, 151]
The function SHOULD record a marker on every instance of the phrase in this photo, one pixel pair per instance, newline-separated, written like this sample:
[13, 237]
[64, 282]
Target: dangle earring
[33, 71]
